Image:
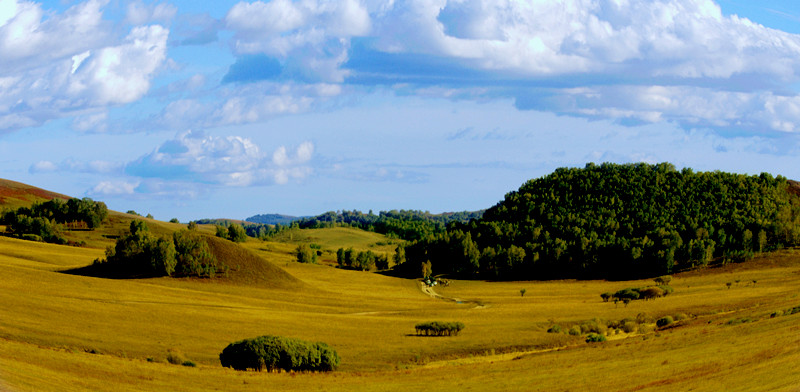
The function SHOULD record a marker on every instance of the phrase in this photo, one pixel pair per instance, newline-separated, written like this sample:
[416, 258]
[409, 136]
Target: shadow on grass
[106, 271]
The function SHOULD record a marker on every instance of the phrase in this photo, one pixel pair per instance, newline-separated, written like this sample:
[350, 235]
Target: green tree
[305, 254]
[237, 233]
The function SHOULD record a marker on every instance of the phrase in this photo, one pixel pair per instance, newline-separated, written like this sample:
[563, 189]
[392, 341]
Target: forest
[618, 222]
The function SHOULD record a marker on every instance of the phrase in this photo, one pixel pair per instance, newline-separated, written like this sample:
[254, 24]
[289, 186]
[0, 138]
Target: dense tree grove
[46, 221]
[142, 253]
[439, 328]
[618, 221]
[279, 353]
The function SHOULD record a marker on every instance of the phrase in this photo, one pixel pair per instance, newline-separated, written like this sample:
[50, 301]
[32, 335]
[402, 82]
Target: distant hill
[15, 194]
[273, 219]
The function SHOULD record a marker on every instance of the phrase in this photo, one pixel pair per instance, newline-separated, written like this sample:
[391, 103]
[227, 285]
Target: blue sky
[228, 109]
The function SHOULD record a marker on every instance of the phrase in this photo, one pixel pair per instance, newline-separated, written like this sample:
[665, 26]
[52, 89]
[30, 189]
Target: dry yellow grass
[50, 323]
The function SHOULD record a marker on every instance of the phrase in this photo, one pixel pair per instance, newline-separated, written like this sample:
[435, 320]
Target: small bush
[680, 316]
[664, 321]
[555, 329]
[606, 296]
[595, 338]
[189, 364]
[629, 326]
[575, 330]
[175, 357]
[667, 290]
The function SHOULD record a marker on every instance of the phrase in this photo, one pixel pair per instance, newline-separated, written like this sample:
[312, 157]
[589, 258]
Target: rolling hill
[735, 328]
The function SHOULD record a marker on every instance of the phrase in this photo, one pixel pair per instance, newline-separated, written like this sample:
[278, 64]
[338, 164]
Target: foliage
[193, 257]
[438, 328]
[236, 233]
[595, 338]
[276, 352]
[142, 253]
[405, 224]
[664, 321]
[46, 221]
[305, 254]
[554, 329]
[617, 221]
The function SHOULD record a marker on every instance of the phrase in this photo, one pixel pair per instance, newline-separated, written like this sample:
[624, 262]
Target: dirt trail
[433, 294]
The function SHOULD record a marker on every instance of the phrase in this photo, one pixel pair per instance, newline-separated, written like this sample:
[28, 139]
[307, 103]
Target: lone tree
[522, 292]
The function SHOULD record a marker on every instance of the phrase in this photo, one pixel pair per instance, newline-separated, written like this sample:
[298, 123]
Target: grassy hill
[14, 194]
[62, 331]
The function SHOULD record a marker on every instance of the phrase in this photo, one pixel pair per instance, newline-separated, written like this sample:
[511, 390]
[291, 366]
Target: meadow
[63, 331]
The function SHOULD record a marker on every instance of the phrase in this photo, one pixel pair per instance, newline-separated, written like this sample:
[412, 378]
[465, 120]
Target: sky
[225, 109]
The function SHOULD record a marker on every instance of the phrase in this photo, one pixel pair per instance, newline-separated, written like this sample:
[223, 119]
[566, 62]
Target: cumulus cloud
[311, 38]
[55, 64]
[229, 161]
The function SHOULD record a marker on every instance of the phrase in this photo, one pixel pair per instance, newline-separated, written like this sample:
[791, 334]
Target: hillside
[15, 194]
[619, 221]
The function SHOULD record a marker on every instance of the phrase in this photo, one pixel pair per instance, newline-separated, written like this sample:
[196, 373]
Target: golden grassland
[69, 332]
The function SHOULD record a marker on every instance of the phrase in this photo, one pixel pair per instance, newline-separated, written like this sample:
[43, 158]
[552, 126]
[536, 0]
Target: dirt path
[433, 294]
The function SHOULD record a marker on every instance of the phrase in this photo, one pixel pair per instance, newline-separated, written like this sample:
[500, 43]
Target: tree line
[617, 221]
[47, 221]
[404, 224]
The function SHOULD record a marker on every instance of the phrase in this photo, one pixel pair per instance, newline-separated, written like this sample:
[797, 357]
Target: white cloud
[139, 13]
[311, 36]
[246, 103]
[57, 64]
[114, 188]
[230, 161]
[74, 166]
[676, 38]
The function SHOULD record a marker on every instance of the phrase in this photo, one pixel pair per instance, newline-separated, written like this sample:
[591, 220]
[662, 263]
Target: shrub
[175, 357]
[629, 326]
[651, 293]
[606, 296]
[189, 364]
[438, 328]
[664, 321]
[277, 352]
[680, 316]
[667, 290]
[628, 293]
[575, 330]
[595, 338]
[554, 329]
[663, 280]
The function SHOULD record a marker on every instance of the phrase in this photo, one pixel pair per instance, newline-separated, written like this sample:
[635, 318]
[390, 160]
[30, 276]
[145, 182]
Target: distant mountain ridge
[274, 219]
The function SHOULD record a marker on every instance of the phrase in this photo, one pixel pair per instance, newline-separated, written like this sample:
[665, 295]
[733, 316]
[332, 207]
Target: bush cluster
[143, 253]
[279, 353]
[634, 293]
[362, 261]
[438, 328]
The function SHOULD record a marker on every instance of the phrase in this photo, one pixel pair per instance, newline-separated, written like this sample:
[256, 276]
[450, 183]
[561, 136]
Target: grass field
[67, 332]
